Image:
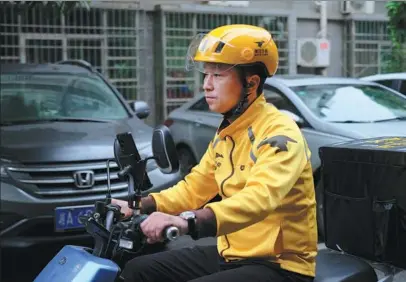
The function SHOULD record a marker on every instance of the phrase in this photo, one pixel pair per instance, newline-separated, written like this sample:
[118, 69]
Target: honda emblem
[84, 178]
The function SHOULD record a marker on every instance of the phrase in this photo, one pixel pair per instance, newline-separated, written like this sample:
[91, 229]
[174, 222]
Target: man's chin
[213, 108]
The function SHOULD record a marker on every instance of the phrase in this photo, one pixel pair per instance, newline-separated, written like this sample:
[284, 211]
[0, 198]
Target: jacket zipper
[222, 186]
[232, 166]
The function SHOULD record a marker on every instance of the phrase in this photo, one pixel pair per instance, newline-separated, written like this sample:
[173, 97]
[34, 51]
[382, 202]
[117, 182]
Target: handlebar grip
[109, 219]
[171, 233]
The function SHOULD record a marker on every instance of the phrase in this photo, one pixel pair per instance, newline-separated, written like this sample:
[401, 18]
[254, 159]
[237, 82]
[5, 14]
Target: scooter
[117, 241]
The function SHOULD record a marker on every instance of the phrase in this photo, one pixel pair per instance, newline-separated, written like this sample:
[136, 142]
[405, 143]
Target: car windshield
[352, 102]
[46, 97]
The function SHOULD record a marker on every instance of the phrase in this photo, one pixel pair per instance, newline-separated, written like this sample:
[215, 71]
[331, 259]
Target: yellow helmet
[235, 44]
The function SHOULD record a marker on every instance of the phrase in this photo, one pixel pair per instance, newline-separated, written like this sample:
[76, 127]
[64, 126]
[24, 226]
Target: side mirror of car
[164, 150]
[299, 121]
[141, 109]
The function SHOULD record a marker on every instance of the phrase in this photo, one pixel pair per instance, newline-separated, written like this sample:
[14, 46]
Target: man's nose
[208, 83]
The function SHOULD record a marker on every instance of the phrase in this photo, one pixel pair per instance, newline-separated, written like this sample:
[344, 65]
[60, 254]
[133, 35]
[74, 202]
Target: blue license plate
[67, 218]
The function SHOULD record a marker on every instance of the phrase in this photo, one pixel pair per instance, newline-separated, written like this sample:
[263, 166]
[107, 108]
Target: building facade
[141, 45]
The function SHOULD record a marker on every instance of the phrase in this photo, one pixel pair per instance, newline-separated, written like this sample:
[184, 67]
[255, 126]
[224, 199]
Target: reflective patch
[279, 141]
[253, 157]
[251, 135]
[215, 142]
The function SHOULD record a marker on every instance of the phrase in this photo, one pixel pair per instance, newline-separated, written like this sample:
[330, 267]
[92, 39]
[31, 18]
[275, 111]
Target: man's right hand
[124, 207]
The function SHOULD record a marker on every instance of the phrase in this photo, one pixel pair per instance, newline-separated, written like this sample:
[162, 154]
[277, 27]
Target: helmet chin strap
[242, 103]
[240, 107]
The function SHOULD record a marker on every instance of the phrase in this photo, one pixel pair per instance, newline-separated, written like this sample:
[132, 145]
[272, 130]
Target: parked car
[327, 110]
[396, 81]
[58, 125]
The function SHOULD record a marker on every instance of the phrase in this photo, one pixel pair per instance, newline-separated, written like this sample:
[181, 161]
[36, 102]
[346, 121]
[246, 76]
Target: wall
[307, 8]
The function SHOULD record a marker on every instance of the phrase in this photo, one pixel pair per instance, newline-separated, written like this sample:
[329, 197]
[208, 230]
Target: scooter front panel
[75, 264]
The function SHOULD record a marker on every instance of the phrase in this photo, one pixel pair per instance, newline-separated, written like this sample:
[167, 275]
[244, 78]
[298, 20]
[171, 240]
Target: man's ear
[253, 82]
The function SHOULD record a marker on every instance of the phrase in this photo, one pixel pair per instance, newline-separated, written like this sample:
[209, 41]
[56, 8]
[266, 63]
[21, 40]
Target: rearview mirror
[141, 109]
[164, 150]
[299, 121]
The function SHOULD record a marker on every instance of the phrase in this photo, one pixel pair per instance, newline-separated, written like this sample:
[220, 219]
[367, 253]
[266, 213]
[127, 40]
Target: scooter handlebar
[171, 233]
[109, 219]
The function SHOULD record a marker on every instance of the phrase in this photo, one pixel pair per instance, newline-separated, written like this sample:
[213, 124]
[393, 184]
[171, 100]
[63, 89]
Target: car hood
[371, 130]
[68, 141]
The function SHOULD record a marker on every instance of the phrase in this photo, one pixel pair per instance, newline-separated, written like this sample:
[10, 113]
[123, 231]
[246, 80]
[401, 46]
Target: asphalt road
[186, 241]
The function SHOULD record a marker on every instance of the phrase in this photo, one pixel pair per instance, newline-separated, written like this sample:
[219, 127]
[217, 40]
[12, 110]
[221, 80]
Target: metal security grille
[368, 46]
[110, 38]
[177, 30]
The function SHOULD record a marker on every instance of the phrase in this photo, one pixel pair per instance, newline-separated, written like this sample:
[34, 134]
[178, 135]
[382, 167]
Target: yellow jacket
[260, 165]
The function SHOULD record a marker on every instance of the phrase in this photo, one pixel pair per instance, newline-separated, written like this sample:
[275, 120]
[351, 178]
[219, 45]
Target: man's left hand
[153, 227]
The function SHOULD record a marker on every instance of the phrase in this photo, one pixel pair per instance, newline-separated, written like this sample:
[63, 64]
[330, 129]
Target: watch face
[188, 214]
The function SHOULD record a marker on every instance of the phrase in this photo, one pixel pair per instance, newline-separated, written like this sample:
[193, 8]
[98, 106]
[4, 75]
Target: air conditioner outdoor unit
[357, 7]
[313, 52]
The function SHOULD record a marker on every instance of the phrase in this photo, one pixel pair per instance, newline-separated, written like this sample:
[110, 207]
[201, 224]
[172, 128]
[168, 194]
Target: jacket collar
[244, 120]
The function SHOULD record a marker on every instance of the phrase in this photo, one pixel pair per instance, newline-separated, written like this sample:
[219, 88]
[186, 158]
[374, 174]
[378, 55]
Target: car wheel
[186, 161]
[320, 209]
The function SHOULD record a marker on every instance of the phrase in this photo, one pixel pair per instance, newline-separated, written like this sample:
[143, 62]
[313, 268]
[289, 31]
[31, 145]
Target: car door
[204, 125]
[314, 138]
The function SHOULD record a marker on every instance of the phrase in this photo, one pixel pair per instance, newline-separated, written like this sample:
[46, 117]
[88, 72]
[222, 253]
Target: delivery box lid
[379, 150]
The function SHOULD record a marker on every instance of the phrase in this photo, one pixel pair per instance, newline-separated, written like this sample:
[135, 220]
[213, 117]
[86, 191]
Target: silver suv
[58, 125]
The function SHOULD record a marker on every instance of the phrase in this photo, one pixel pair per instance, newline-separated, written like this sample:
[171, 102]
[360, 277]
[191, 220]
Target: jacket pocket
[261, 240]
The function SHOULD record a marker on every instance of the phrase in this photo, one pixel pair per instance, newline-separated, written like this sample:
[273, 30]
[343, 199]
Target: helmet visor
[204, 50]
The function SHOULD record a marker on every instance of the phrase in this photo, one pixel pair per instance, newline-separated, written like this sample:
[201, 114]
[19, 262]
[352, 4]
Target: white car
[396, 81]
[328, 110]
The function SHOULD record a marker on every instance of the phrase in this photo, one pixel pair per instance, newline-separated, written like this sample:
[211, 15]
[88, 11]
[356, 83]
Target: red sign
[324, 45]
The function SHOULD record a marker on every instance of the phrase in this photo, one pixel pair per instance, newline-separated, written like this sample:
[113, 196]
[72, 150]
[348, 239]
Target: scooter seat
[336, 267]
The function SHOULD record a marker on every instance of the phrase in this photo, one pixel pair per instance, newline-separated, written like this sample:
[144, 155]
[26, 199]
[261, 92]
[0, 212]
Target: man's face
[222, 87]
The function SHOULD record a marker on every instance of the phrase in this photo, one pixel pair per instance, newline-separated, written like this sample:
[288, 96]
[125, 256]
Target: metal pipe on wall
[323, 27]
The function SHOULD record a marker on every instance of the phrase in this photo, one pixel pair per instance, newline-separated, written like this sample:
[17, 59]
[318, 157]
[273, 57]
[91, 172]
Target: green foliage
[396, 60]
[65, 6]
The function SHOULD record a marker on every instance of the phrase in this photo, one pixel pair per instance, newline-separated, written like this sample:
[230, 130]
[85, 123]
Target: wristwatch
[190, 217]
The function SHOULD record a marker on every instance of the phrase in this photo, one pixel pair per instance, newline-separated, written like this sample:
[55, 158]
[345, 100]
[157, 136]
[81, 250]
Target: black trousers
[203, 264]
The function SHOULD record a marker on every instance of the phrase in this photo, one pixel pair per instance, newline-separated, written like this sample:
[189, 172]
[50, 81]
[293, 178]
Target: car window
[279, 100]
[387, 83]
[402, 88]
[45, 96]
[200, 106]
[352, 103]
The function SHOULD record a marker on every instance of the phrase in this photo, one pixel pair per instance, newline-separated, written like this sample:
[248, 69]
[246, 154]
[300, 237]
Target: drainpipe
[323, 26]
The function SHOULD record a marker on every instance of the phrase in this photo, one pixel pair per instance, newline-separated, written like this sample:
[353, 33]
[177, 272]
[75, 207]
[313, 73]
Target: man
[258, 161]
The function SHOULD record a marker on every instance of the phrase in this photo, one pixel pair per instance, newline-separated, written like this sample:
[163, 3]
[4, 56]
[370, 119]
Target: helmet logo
[260, 43]
[261, 52]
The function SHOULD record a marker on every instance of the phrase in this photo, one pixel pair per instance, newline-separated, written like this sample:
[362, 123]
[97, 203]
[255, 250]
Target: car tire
[320, 210]
[186, 160]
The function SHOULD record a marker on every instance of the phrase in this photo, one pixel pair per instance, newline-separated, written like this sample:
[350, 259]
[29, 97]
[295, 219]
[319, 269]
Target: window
[354, 103]
[279, 100]
[402, 88]
[35, 96]
[387, 83]
[200, 105]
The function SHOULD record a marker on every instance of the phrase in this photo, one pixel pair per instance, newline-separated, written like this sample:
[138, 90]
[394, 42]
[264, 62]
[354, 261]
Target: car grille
[57, 180]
